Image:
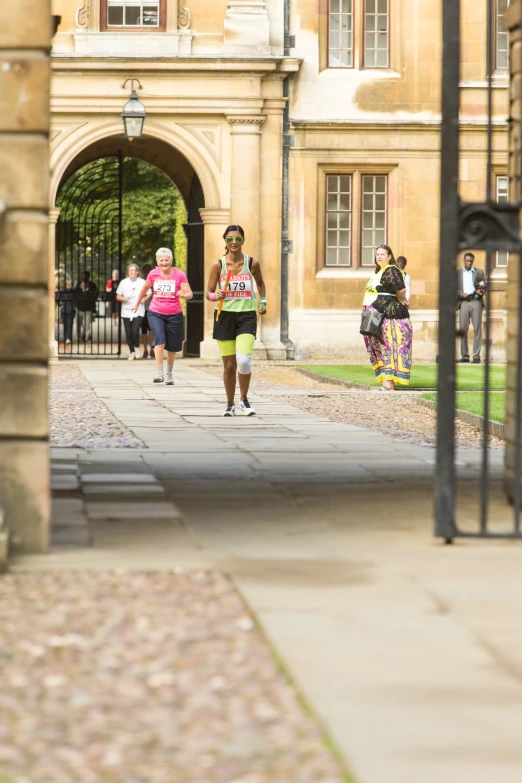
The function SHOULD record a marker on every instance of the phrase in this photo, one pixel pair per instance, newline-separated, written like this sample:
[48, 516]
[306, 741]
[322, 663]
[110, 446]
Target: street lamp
[133, 113]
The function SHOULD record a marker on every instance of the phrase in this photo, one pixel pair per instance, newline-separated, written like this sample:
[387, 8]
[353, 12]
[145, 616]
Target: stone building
[313, 123]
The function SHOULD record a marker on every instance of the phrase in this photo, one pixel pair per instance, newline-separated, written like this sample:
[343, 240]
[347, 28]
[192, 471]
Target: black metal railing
[490, 227]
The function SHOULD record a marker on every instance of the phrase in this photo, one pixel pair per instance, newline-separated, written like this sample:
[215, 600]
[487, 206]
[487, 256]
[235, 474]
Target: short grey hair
[164, 251]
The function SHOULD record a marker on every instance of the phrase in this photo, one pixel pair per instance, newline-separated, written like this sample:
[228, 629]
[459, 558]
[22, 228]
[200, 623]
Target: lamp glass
[133, 127]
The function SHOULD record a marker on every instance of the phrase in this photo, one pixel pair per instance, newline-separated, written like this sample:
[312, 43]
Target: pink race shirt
[165, 291]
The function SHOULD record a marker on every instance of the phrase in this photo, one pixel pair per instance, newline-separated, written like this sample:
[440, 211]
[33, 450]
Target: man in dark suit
[470, 302]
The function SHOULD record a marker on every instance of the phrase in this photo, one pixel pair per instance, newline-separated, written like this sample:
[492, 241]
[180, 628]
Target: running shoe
[145, 353]
[158, 378]
[230, 410]
[246, 407]
[169, 379]
[132, 356]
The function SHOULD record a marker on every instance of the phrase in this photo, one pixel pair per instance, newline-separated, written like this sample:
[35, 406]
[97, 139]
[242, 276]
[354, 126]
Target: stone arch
[172, 149]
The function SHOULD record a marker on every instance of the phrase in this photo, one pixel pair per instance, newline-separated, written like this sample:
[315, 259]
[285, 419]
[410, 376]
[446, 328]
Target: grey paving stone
[64, 482]
[64, 467]
[110, 492]
[68, 512]
[131, 510]
[119, 478]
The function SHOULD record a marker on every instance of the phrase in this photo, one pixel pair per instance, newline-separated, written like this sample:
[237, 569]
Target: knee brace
[244, 364]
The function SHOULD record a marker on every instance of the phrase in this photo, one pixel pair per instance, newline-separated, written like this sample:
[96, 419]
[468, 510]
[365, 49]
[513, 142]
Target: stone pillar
[245, 178]
[245, 182]
[513, 23]
[54, 214]
[24, 344]
[270, 254]
[247, 28]
[216, 221]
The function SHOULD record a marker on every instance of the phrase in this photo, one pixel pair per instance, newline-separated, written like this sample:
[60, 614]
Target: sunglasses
[236, 240]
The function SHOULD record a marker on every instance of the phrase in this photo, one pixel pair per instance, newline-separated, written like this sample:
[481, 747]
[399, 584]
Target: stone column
[216, 221]
[54, 214]
[271, 203]
[245, 182]
[513, 23]
[24, 343]
[245, 178]
[247, 28]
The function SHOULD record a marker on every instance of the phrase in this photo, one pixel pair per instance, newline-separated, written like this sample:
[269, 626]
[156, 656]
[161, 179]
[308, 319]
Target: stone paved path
[409, 652]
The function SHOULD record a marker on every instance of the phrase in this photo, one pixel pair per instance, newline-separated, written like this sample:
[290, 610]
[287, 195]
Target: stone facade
[24, 193]
[213, 86]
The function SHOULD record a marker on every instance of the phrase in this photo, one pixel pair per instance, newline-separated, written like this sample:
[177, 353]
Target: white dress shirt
[407, 283]
[468, 285]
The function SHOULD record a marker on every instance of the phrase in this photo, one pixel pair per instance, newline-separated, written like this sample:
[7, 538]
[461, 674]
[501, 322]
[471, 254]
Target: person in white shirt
[401, 263]
[127, 293]
[470, 302]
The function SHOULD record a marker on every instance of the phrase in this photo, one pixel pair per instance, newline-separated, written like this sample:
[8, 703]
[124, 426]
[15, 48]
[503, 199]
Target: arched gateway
[86, 189]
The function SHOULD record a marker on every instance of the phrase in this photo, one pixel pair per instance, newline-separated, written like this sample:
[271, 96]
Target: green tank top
[240, 296]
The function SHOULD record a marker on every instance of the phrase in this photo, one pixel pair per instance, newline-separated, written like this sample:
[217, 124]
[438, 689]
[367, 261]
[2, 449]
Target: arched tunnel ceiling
[155, 151]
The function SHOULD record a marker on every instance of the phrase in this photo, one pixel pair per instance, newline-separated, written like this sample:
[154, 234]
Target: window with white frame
[502, 197]
[340, 34]
[338, 220]
[132, 13]
[373, 215]
[376, 33]
[502, 38]
[355, 218]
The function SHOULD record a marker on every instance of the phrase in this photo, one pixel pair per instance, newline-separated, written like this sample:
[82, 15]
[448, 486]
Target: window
[502, 38]
[374, 192]
[340, 34]
[131, 14]
[502, 197]
[338, 220]
[376, 34]
[359, 34]
[355, 219]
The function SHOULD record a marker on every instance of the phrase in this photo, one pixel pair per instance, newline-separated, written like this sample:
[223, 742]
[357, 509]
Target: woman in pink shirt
[169, 285]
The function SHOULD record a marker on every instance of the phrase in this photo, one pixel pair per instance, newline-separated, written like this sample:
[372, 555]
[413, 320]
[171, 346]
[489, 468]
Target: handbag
[371, 321]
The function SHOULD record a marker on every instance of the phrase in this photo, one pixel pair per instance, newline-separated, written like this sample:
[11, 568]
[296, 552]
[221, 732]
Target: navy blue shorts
[168, 330]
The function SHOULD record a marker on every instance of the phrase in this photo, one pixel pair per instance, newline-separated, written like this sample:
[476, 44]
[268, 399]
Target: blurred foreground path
[409, 652]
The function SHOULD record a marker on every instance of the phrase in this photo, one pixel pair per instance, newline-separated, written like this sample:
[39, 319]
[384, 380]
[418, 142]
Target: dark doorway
[194, 229]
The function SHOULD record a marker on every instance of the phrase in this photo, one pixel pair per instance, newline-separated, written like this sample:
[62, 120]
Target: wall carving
[183, 18]
[82, 16]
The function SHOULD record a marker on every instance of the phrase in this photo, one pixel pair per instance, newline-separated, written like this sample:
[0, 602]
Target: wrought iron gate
[88, 251]
[194, 230]
[492, 228]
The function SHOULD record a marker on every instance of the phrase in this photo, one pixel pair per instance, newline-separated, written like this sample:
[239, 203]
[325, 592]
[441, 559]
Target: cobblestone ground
[396, 414]
[145, 678]
[79, 419]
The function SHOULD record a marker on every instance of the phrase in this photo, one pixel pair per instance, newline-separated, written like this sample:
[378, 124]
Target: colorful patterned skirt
[390, 350]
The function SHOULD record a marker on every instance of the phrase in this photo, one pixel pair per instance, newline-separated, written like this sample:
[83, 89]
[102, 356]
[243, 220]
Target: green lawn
[423, 376]
[473, 402]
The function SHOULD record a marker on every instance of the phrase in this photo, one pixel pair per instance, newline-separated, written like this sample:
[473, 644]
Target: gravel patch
[396, 414]
[145, 678]
[79, 419]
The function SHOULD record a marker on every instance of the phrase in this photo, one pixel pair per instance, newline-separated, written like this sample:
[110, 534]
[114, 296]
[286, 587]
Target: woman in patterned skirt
[390, 350]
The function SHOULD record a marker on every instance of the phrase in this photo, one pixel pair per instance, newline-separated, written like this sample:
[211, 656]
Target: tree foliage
[153, 214]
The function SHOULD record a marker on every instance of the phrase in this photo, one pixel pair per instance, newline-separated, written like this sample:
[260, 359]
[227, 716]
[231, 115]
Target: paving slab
[122, 511]
[64, 482]
[117, 477]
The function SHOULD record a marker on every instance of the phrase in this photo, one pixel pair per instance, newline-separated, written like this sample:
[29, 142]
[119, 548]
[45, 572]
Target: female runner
[165, 316]
[235, 327]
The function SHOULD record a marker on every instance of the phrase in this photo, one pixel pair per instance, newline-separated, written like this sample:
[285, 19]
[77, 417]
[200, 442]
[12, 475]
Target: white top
[131, 289]
[407, 283]
[468, 286]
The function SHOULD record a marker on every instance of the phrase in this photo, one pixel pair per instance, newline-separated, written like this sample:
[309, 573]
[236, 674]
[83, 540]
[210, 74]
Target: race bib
[239, 286]
[166, 289]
